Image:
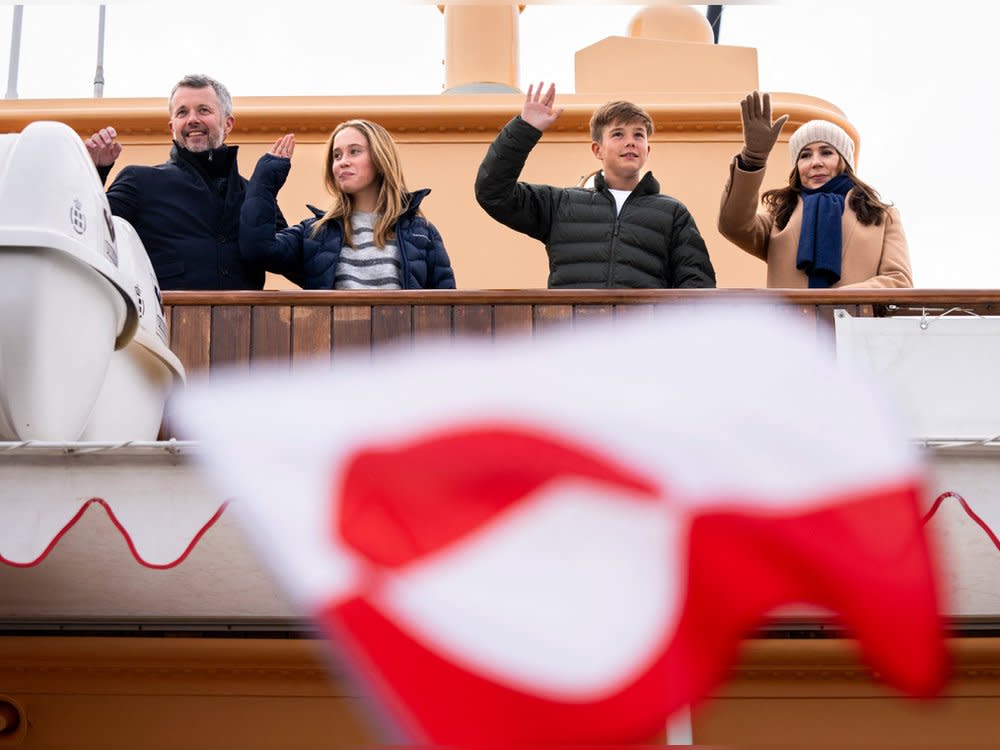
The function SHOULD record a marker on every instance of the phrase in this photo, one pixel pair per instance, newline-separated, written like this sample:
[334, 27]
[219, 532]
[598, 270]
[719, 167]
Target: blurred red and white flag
[563, 541]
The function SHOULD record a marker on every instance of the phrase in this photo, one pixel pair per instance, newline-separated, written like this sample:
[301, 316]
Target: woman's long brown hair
[863, 200]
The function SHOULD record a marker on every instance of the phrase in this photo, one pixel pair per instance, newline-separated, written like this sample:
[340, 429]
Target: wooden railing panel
[312, 332]
[512, 320]
[230, 337]
[390, 325]
[352, 329]
[474, 320]
[270, 334]
[584, 313]
[431, 322]
[549, 318]
[191, 336]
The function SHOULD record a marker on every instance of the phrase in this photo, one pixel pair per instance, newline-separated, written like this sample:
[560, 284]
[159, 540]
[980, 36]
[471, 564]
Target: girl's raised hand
[538, 110]
[284, 147]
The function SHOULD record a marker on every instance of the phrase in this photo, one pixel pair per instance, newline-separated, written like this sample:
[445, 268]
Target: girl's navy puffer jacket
[311, 261]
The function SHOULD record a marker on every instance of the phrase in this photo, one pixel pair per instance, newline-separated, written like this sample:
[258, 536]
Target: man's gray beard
[210, 144]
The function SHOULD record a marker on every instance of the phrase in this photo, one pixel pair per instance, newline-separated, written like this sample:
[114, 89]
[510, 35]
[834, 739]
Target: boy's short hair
[612, 112]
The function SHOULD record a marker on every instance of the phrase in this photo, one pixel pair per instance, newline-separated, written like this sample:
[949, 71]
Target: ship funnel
[481, 47]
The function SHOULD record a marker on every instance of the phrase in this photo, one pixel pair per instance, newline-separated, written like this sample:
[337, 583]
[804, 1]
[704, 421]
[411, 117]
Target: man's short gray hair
[201, 82]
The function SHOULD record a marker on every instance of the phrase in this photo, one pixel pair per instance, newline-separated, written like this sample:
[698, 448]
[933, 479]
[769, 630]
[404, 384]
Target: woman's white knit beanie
[822, 130]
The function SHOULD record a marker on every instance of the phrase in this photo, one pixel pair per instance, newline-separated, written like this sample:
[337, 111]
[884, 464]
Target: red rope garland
[124, 532]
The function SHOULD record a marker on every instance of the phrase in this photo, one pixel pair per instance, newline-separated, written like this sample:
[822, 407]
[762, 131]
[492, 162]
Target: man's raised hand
[103, 147]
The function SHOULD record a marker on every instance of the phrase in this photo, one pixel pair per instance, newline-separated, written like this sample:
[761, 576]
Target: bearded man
[186, 211]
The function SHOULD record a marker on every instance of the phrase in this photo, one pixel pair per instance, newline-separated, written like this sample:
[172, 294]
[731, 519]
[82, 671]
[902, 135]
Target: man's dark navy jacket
[187, 214]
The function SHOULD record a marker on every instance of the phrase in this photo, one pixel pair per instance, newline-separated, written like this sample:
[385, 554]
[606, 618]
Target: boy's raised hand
[284, 146]
[538, 110]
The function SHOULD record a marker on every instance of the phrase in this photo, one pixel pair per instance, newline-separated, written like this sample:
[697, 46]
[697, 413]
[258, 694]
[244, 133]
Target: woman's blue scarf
[821, 242]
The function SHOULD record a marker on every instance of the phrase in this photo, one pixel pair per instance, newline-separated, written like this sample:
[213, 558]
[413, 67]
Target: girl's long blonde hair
[393, 197]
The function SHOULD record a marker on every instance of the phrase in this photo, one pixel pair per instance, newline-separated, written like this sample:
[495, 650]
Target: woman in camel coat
[827, 228]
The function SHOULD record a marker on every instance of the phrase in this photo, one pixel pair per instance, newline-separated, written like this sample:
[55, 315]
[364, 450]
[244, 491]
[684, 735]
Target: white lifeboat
[64, 305]
[142, 375]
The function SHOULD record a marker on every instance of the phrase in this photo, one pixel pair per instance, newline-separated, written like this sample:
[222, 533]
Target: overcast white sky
[916, 79]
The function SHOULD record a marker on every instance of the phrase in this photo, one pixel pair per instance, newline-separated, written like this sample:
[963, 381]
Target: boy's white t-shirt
[620, 196]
